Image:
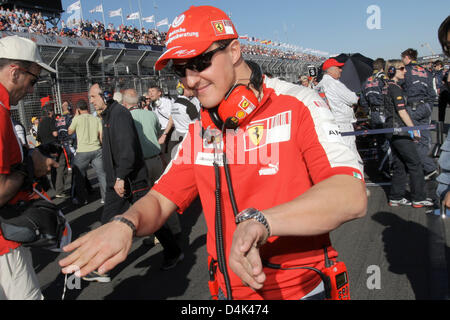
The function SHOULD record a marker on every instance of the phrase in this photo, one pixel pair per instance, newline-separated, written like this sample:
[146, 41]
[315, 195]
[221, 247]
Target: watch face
[246, 214]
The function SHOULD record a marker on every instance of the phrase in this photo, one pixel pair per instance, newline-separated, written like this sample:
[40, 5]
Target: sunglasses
[198, 63]
[32, 82]
[401, 69]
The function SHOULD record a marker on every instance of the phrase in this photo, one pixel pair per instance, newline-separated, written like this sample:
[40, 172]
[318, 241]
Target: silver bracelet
[127, 222]
[252, 213]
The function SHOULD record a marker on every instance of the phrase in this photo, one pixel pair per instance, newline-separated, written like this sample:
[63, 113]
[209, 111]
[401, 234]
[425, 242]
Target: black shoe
[170, 263]
[150, 241]
[80, 203]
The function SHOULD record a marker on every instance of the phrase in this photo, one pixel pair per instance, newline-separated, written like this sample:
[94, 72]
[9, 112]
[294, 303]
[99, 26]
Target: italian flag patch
[357, 175]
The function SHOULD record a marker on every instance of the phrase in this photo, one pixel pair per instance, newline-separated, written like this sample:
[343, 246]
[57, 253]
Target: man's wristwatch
[252, 213]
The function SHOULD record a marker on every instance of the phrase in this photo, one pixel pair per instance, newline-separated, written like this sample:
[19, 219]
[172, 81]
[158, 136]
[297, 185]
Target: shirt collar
[266, 92]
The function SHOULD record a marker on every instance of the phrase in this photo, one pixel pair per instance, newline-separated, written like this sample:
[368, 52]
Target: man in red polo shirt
[284, 157]
[20, 66]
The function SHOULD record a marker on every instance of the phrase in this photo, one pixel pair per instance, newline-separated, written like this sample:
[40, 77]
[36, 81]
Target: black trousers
[115, 205]
[406, 161]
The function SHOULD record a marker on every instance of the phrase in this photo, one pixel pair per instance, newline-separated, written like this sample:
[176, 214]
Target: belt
[416, 103]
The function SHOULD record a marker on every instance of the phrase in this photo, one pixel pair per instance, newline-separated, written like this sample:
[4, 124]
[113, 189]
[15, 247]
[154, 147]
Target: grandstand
[432, 58]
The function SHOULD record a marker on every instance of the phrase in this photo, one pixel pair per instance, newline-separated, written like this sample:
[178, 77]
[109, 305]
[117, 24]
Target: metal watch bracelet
[252, 213]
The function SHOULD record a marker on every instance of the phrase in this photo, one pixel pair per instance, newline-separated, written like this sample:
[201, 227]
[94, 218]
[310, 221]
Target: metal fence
[287, 69]
[79, 67]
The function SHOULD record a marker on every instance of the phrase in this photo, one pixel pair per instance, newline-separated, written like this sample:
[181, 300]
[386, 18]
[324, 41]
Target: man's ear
[14, 74]
[235, 49]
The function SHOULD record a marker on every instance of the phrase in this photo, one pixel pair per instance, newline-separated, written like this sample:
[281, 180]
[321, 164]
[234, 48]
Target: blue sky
[327, 25]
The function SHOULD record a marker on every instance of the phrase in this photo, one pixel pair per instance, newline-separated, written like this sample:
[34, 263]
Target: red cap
[331, 63]
[193, 31]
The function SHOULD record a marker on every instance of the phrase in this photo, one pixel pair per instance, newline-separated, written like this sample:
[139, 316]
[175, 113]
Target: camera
[142, 102]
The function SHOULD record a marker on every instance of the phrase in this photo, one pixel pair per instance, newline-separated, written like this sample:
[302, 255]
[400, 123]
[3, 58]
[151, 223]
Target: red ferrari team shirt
[291, 143]
[10, 153]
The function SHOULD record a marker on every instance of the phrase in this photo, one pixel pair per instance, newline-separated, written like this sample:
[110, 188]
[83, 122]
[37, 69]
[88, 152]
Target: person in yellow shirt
[89, 132]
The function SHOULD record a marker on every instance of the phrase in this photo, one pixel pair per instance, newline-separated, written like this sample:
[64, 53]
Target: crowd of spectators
[20, 20]
[279, 53]
[97, 31]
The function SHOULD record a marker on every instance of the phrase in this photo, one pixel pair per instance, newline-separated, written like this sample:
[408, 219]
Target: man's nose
[192, 78]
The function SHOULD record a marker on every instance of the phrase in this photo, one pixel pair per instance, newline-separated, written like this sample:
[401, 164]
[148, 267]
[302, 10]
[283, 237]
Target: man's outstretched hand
[101, 249]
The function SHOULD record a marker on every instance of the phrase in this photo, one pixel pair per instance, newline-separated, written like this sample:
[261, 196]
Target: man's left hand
[119, 187]
[244, 258]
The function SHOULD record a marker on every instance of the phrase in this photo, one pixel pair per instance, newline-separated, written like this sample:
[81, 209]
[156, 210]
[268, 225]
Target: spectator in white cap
[340, 99]
[20, 67]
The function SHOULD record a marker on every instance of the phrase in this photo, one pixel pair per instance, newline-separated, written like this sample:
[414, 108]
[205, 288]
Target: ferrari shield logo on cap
[223, 27]
[219, 27]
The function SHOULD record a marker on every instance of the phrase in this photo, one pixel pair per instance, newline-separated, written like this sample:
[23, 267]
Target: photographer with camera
[142, 102]
[20, 66]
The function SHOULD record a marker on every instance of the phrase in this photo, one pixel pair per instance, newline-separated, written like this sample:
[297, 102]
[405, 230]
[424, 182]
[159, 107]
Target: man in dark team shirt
[403, 144]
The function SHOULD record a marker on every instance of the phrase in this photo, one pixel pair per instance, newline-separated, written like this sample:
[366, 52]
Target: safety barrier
[387, 130]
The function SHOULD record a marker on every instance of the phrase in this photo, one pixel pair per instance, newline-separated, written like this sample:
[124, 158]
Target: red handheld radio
[337, 276]
[338, 281]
